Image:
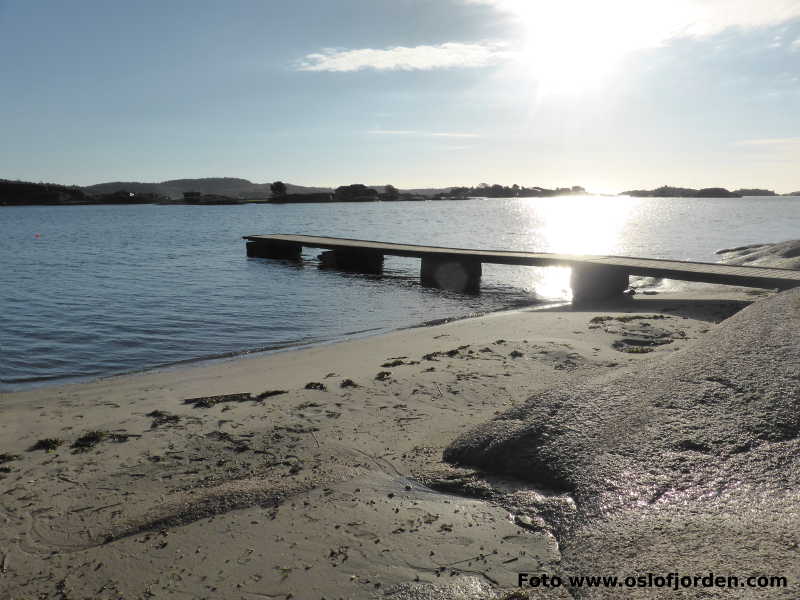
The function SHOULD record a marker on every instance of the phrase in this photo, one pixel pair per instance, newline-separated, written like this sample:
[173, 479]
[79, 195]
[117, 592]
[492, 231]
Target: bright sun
[577, 45]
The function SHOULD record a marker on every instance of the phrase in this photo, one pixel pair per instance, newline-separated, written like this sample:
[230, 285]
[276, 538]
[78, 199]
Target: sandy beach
[313, 473]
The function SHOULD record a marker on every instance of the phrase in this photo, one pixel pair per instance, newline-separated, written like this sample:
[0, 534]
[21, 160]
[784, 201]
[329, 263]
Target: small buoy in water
[37, 235]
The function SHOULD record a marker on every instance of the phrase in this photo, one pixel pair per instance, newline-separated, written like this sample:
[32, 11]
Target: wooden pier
[458, 269]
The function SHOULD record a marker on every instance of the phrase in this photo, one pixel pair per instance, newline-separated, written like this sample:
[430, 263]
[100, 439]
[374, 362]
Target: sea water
[88, 291]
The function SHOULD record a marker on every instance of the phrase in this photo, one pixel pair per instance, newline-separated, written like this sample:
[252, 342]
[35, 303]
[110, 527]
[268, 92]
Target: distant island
[231, 190]
[667, 191]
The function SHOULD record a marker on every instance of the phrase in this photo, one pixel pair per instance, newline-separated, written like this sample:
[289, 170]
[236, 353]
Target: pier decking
[593, 277]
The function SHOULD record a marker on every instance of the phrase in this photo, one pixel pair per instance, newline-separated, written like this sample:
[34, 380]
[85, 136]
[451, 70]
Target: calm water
[111, 289]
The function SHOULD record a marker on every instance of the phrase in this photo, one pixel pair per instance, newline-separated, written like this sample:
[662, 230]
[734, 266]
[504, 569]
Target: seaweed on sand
[89, 440]
[161, 417]
[626, 318]
[269, 394]
[209, 401]
[47, 444]
[6, 457]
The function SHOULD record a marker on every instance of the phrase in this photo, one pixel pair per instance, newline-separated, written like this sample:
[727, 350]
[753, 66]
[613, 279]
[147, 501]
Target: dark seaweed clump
[209, 401]
[89, 440]
[5, 457]
[161, 417]
[47, 444]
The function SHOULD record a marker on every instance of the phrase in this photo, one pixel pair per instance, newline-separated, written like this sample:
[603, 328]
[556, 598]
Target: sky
[611, 95]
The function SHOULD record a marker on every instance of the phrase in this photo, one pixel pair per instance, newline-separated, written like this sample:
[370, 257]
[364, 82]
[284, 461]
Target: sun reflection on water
[583, 225]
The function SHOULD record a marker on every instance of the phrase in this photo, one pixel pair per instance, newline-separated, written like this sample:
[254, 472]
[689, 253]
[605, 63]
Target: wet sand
[314, 473]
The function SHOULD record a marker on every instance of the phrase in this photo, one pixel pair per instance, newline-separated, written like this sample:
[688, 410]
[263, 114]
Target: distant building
[191, 195]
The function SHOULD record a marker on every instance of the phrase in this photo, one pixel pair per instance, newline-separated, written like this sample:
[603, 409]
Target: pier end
[597, 282]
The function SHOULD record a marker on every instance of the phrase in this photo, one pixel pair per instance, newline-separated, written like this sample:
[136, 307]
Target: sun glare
[574, 46]
[594, 226]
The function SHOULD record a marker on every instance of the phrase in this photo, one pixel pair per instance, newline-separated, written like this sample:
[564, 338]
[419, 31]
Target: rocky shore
[688, 464]
[781, 255]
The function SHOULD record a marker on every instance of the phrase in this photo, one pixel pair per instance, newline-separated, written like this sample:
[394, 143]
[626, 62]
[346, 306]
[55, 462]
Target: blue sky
[610, 95]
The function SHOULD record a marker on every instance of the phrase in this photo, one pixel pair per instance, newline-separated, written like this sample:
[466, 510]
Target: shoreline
[28, 385]
[515, 306]
[323, 459]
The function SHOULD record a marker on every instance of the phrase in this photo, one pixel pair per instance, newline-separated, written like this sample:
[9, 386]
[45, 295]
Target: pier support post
[597, 282]
[354, 260]
[274, 249]
[450, 273]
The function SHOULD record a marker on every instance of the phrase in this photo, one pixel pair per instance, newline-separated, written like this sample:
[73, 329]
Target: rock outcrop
[783, 255]
[690, 464]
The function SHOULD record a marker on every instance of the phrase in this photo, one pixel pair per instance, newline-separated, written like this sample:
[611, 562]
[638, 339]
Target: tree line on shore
[667, 191]
[238, 191]
[484, 190]
[356, 192]
[278, 192]
[24, 192]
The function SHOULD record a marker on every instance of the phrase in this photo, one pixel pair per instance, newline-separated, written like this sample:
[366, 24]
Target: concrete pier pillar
[354, 260]
[597, 282]
[454, 274]
[274, 249]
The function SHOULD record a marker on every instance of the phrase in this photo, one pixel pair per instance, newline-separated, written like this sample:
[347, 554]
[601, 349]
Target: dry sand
[313, 493]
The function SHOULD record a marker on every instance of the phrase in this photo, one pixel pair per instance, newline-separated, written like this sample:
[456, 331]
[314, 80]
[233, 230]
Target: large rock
[783, 255]
[689, 464]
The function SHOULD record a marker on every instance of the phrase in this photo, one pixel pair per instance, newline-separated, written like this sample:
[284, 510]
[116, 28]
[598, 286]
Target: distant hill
[222, 186]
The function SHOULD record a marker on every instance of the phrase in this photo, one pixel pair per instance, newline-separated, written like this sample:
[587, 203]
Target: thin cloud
[449, 55]
[796, 44]
[409, 132]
